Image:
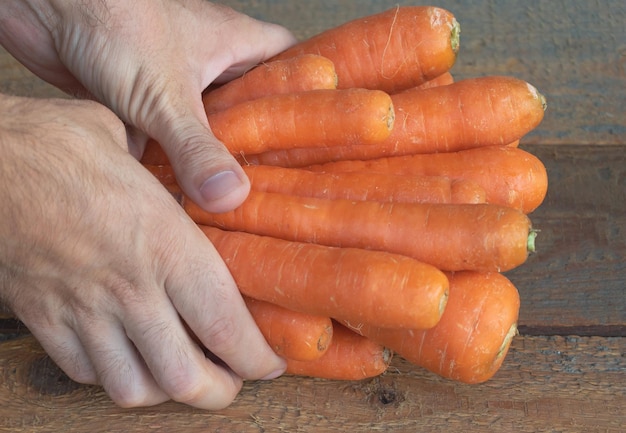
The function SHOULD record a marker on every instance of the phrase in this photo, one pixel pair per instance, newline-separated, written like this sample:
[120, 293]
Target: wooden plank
[576, 282]
[573, 384]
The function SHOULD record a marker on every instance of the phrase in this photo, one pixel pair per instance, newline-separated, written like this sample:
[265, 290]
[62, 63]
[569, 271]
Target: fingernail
[220, 185]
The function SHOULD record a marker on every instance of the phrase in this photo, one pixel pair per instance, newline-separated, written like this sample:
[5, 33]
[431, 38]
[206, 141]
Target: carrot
[475, 112]
[154, 154]
[343, 283]
[305, 119]
[392, 50]
[349, 357]
[362, 186]
[164, 173]
[297, 74]
[292, 335]
[510, 176]
[351, 185]
[451, 237]
[483, 111]
[473, 336]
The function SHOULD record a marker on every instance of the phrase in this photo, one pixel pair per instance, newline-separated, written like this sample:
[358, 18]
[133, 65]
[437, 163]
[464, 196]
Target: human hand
[149, 62]
[107, 271]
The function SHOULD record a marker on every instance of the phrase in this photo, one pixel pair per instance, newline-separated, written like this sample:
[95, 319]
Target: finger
[251, 42]
[204, 168]
[208, 300]
[119, 368]
[64, 347]
[177, 362]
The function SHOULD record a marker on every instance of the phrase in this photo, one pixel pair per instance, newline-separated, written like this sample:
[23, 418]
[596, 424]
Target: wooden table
[566, 372]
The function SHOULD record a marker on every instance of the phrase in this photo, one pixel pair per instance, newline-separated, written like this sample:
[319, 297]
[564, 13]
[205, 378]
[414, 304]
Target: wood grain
[575, 383]
[576, 282]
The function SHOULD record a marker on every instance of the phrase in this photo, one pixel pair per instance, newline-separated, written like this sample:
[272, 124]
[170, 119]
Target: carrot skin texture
[363, 186]
[351, 185]
[485, 237]
[342, 283]
[349, 357]
[305, 119]
[297, 74]
[509, 175]
[472, 338]
[371, 52]
[467, 191]
[475, 112]
[164, 173]
[292, 335]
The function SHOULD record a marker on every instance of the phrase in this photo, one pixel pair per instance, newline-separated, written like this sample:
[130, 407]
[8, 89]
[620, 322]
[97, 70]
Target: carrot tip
[455, 36]
[387, 356]
[513, 331]
[530, 241]
[544, 102]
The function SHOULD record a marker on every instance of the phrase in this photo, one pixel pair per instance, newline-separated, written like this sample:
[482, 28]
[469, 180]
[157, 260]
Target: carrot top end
[455, 36]
[530, 241]
[544, 103]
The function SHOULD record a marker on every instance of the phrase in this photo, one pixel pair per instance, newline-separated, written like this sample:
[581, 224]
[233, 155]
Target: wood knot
[387, 395]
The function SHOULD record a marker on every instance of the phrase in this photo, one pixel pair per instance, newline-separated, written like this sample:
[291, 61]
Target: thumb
[205, 169]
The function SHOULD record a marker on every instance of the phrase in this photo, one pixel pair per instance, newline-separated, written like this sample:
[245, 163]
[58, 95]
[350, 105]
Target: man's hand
[107, 271]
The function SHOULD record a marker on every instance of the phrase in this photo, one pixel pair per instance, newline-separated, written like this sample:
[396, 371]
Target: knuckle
[184, 389]
[127, 396]
[126, 393]
[221, 335]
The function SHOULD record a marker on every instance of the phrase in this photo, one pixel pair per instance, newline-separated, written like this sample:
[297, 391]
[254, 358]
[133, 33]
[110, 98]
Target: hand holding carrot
[104, 268]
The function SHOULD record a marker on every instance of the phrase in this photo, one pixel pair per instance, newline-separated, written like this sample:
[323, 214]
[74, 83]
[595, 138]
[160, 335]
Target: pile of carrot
[387, 199]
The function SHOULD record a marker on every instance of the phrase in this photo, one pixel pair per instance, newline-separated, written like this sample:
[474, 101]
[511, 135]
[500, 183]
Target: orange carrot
[510, 176]
[351, 185]
[476, 112]
[349, 357]
[306, 119]
[164, 173]
[392, 50]
[154, 154]
[472, 338]
[297, 74]
[344, 283]
[483, 111]
[292, 335]
[451, 237]
[361, 185]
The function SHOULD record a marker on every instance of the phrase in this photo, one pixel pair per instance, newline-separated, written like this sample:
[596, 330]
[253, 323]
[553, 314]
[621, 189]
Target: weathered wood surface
[576, 282]
[565, 373]
[555, 384]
